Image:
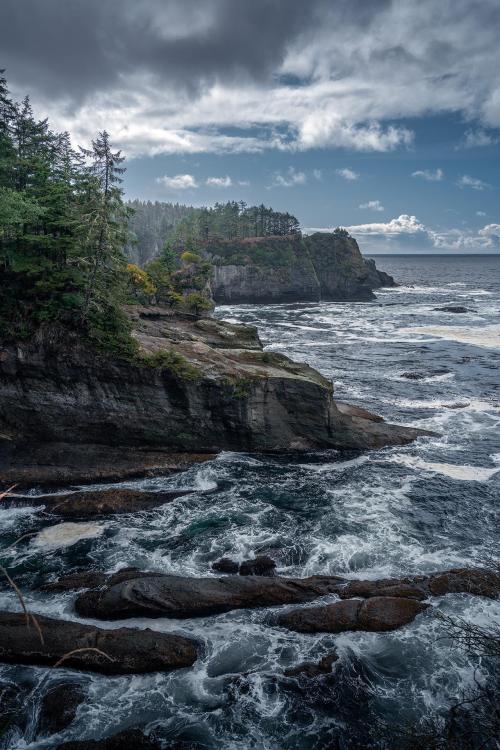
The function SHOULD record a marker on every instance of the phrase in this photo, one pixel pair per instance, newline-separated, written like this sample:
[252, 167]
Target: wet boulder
[453, 309]
[262, 565]
[159, 595]
[476, 581]
[129, 739]
[375, 615]
[79, 646]
[80, 579]
[311, 669]
[96, 503]
[59, 706]
[226, 565]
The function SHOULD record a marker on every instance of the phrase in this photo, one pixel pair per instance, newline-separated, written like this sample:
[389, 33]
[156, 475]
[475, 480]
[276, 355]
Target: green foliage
[230, 221]
[188, 257]
[172, 361]
[196, 303]
[62, 228]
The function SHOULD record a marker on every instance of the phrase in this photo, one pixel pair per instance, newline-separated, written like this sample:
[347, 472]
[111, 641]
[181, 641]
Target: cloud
[480, 213]
[179, 182]
[406, 233]
[428, 174]
[348, 174]
[290, 179]
[372, 206]
[472, 182]
[180, 76]
[478, 138]
[317, 174]
[219, 182]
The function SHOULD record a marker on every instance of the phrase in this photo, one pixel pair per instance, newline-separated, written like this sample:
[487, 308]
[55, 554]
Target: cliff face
[322, 266]
[61, 404]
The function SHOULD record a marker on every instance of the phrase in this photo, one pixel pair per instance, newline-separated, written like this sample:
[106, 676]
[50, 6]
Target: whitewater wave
[487, 337]
[460, 472]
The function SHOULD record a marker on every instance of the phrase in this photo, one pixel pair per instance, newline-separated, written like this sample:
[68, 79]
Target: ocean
[428, 506]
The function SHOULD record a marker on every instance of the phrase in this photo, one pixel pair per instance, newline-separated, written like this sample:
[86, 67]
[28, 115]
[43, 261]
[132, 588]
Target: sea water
[424, 507]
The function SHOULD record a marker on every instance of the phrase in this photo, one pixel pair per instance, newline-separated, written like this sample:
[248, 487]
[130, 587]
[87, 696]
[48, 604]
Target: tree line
[234, 220]
[63, 225]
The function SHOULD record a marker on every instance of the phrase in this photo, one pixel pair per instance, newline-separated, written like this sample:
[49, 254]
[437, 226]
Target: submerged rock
[59, 706]
[453, 309]
[66, 534]
[82, 579]
[129, 739]
[157, 595]
[377, 614]
[311, 669]
[96, 503]
[123, 650]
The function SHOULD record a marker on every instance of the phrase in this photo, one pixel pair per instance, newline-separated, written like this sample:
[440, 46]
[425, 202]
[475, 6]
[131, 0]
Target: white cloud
[179, 182]
[347, 174]
[478, 138]
[480, 213]
[372, 206]
[490, 230]
[360, 68]
[290, 179]
[472, 182]
[317, 174]
[243, 183]
[429, 174]
[219, 182]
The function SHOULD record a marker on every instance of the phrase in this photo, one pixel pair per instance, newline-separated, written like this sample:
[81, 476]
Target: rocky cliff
[203, 386]
[322, 266]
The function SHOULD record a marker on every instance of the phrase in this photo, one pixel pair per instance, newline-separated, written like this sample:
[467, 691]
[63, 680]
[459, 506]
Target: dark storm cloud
[73, 48]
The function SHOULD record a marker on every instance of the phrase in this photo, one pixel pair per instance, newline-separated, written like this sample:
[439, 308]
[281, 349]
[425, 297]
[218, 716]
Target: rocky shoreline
[200, 386]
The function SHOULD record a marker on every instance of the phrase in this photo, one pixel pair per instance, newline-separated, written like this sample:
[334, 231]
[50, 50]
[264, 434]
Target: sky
[381, 116]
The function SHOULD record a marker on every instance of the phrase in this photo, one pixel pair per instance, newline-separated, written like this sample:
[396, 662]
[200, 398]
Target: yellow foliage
[141, 280]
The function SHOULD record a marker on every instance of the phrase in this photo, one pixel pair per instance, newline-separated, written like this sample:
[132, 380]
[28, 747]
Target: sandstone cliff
[69, 414]
[322, 266]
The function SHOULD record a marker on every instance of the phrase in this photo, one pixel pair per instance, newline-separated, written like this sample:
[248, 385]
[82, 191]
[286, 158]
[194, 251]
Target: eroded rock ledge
[120, 651]
[135, 594]
[69, 415]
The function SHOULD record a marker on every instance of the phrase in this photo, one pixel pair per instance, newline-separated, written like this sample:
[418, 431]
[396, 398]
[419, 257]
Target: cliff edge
[273, 270]
[201, 386]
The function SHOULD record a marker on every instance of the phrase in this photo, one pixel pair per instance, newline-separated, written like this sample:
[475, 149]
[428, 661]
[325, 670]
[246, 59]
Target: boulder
[96, 503]
[311, 669]
[81, 579]
[129, 739]
[476, 581]
[453, 309]
[226, 565]
[120, 651]
[157, 595]
[263, 565]
[375, 615]
[59, 706]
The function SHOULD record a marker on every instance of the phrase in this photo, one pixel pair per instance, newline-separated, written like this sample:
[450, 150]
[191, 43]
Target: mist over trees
[151, 224]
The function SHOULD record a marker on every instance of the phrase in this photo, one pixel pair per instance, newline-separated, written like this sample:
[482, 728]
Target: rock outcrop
[202, 386]
[377, 615]
[150, 595]
[131, 593]
[97, 503]
[322, 266]
[118, 651]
